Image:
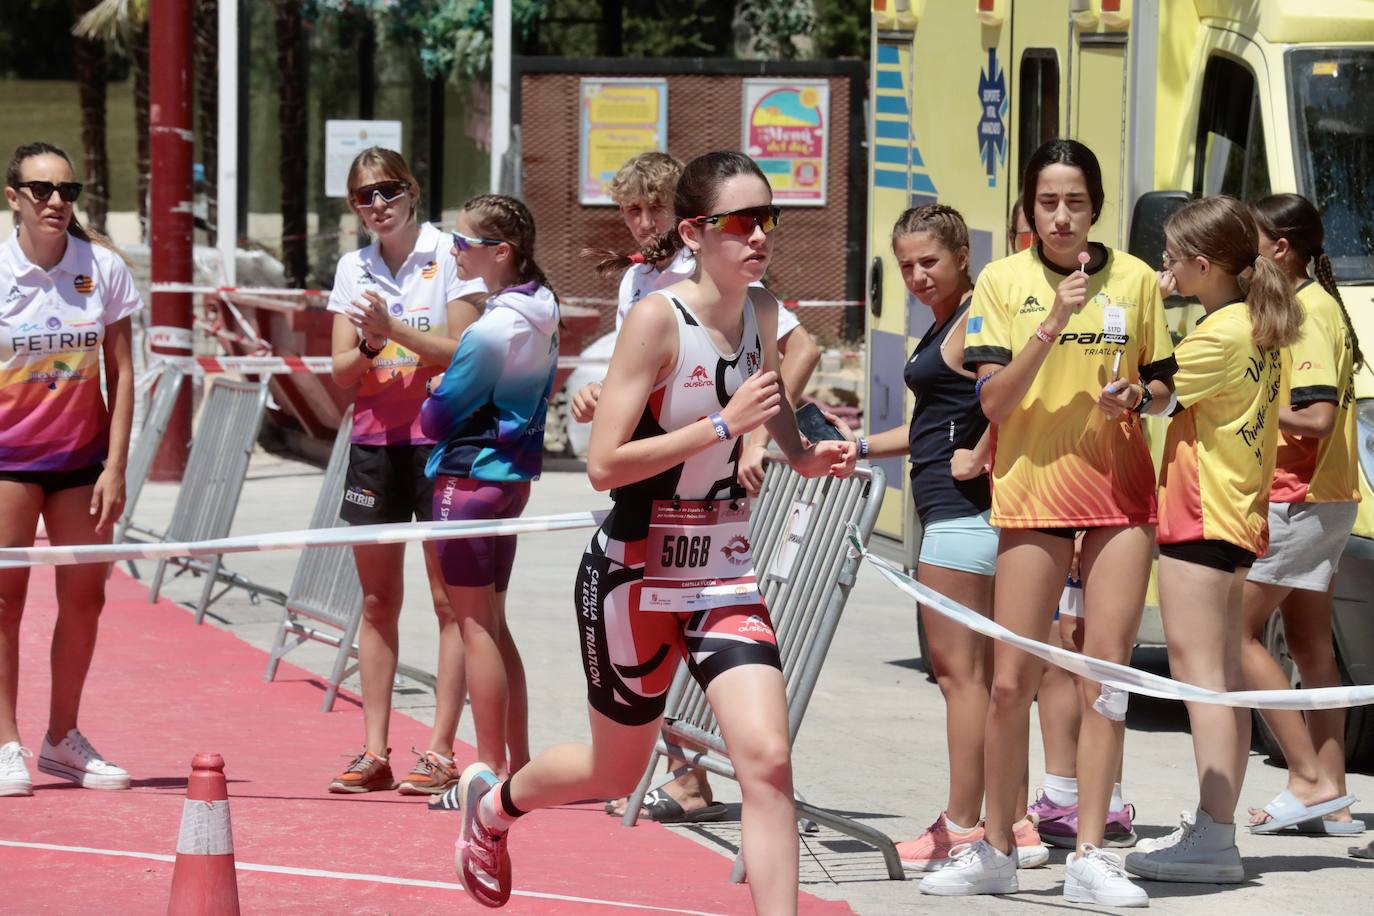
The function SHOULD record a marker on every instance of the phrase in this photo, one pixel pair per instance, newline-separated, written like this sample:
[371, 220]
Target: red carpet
[162, 689]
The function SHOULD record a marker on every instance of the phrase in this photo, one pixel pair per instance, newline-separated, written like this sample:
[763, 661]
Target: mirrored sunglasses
[742, 222]
[469, 242]
[42, 190]
[387, 190]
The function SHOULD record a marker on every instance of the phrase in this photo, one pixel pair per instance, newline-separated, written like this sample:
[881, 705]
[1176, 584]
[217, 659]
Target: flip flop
[664, 809]
[1362, 852]
[1285, 811]
[1328, 827]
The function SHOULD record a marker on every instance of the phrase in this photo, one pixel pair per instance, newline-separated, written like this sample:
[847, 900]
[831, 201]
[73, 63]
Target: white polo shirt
[387, 408]
[52, 323]
[640, 280]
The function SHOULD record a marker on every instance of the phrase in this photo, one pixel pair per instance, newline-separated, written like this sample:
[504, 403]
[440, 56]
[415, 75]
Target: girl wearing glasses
[399, 309]
[1070, 346]
[1312, 505]
[694, 369]
[64, 320]
[1213, 502]
[487, 418]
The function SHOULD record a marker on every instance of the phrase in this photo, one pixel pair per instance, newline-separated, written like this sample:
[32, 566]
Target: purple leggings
[475, 562]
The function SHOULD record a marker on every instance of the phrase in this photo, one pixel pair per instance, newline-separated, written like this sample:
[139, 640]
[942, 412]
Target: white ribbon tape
[205, 829]
[1121, 677]
[397, 533]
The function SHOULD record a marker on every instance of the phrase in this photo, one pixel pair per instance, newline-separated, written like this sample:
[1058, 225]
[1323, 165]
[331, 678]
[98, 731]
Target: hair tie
[637, 257]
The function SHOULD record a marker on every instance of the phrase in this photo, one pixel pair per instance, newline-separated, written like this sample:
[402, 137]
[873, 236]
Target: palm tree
[292, 76]
[91, 76]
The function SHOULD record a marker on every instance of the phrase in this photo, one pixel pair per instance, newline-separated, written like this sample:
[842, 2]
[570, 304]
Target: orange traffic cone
[203, 882]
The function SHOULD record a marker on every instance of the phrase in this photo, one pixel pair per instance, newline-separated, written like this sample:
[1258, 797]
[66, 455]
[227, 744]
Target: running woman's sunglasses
[389, 191]
[742, 222]
[469, 242]
[42, 190]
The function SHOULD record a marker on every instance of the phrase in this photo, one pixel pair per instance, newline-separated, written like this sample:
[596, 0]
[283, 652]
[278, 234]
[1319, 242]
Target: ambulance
[1178, 99]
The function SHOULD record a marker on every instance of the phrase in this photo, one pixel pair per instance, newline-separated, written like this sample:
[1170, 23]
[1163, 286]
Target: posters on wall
[620, 118]
[787, 131]
[344, 140]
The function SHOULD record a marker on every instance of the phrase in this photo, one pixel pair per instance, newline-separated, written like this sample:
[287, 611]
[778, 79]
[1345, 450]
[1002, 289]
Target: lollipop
[1083, 259]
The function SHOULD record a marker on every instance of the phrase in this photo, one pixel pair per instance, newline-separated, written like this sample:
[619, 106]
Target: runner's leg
[1307, 627]
[518, 698]
[475, 608]
[20, 505]
[1060, 708]
[450, 688]
[610, 766]
[381, 571]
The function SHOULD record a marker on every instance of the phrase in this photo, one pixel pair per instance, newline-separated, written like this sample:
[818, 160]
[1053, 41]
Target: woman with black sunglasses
[64, 318]
[670, 573]
[399, 310]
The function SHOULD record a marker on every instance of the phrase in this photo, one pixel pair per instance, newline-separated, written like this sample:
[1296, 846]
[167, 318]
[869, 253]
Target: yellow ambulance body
[1242, 97]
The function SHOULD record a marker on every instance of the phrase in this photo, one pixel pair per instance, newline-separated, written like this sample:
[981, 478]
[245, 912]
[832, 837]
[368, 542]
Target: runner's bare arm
[645, 352]
[1316, 419]
[433, 349]
[107, 502]
[349, 364]
[968, 463]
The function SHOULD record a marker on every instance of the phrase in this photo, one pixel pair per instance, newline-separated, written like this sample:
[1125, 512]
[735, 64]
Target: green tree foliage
[773, 24]
[842, 29]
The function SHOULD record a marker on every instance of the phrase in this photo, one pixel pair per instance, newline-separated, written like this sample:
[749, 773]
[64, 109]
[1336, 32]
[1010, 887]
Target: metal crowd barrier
[805, 596]
[163, 401]
[325, 590]
[230, 420]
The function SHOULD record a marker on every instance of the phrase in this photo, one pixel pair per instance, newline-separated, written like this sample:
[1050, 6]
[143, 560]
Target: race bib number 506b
[698, 556]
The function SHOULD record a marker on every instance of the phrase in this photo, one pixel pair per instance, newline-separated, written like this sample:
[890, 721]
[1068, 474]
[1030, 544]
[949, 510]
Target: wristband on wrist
[1044, 335]
[368, 351]
[1146, 396]
[863, 447]
[721, 427]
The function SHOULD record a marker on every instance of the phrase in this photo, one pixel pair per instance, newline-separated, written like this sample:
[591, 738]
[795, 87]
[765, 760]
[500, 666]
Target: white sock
[955, 827]
[1116, 804]
[1062, 790]
[490, 814]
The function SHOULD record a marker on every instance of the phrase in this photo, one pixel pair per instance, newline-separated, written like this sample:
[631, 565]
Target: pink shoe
[931, 849]
[1030, 852]
[480, 855]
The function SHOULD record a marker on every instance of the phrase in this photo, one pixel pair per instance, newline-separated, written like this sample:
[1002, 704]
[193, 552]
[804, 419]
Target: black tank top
[946, 417]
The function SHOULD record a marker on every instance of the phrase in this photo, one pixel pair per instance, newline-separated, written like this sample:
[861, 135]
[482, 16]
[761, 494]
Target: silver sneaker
[1097, 877]
[74, 759]
[14, 773]
[974, 868]
[1204, 853]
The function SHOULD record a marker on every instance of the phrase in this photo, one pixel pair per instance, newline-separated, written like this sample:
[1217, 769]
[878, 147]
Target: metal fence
[159, 414]
[806, 569]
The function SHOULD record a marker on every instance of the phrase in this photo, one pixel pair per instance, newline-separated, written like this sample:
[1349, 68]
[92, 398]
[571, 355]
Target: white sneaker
[1097, 877]
[74, 759]
[974, 868]
[1185, 824]
[1204, 852]
[14, 774]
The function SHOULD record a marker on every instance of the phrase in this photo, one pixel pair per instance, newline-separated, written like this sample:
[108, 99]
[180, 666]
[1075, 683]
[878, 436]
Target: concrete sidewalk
[873, 742]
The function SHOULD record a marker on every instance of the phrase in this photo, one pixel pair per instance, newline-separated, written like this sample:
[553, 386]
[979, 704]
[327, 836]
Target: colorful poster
[620, 118]
[787, 132]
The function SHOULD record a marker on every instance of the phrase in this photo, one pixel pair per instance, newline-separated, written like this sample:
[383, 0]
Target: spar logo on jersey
[429, 271]
[699, 379]
[737, 550]
[1030, 306]
[84, 284]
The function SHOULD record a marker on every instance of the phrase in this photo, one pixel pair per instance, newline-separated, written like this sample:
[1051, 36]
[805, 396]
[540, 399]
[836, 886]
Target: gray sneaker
[1185, 823]
[14, 773]
[1204, 852]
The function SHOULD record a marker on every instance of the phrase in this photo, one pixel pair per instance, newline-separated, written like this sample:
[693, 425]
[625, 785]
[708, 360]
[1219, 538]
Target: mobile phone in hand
[814, 426]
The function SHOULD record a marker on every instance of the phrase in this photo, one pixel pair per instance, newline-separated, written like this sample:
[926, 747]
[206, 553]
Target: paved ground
[872, 744]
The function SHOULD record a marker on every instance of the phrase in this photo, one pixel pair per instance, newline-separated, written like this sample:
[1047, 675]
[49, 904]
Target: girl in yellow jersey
[1312, 505]
[1213, 499]
[1067, 352]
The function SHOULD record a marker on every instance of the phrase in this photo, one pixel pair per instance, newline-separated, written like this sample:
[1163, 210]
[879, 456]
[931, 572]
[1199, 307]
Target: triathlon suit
[629, 653]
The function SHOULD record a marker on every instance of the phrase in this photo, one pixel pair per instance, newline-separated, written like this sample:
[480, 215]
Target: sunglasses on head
[388, 190]
[469, 242]
[42, 190]
[742, 222]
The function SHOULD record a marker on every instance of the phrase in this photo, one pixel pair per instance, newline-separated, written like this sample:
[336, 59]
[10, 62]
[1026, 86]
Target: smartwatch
[367, 351]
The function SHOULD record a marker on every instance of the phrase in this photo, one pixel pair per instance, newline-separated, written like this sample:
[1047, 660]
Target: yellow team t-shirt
[1219, 453]
[1315, 470]
[1058, 462]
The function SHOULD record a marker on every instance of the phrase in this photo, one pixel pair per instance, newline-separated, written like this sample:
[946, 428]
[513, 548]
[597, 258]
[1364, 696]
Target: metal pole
[227, 181]
[500, 88]
[170, 216]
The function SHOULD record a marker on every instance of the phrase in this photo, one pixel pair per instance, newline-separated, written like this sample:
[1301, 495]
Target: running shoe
[1030, 852]
[931, 849]
[14, 773]
[1097, 877]
[1204, 853]
[365, 773]
[432, 774]
[1058, 824]
[480, 855]
[974, 868]
[74, 759]
[1120, 834]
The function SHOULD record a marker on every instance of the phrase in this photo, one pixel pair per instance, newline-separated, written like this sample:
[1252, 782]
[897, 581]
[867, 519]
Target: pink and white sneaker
[480, 855]
[931, 850]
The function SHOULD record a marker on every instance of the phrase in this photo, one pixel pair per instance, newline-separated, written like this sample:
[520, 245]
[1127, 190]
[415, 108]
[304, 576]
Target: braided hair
[942, 221]
[695, 195]
[1295, 218]
[496, 216]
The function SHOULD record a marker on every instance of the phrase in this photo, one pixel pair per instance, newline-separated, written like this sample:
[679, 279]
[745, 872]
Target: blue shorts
[968, 544]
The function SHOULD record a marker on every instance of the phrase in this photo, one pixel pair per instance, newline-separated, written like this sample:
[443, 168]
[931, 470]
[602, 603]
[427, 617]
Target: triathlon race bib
[698, 556]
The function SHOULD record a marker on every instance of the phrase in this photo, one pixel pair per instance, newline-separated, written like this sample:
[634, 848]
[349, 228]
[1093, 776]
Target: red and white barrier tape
[291, 365]
[793, 304]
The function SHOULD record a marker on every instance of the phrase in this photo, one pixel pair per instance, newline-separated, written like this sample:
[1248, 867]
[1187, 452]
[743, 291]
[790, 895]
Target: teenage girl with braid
[1312, 505]
[694, 369]
[487, 420]
[948, 442]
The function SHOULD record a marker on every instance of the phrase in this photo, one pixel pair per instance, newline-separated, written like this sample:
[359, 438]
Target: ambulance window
[1230, 156]
[1039, 117]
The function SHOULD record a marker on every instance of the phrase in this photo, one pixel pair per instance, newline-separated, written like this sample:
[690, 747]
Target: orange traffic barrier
[203, 881]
